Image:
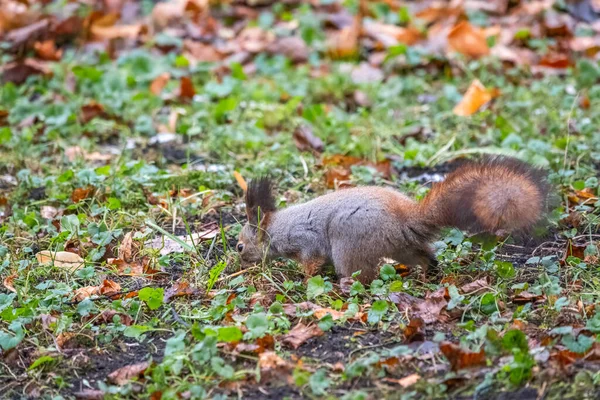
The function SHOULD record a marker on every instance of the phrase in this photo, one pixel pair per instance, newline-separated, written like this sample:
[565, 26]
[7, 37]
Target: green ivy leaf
[593, 324]
[41, 361]
[135, 331]
[326, 322]
[153, 297]
[316, 287]
[396, 286]
[230, 334]
[515, 339]
[581, 344]
[377, 311]
[257, 325]
[505, 269]
[86, 307]
[387, 272]
[319, 383]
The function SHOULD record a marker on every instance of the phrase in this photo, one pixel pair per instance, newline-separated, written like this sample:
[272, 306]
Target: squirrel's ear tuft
[260, 201]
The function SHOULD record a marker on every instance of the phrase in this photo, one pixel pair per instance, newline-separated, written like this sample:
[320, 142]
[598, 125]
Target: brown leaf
[475, 97]
[117, 31]
[200, 52]
[468, 40]
[292, 47]
[254, 40]
[290, 309]
[391, 35]
[343, 44]
[8, 282]
[80, 194]
[415, 330]
[29, 33]
[270, 361]
[186, 88]
[91, 111]
[475, 286]
[430, 309]
[346, 284]
[338, 168]
[305, 139]
[125, 374]
[18, 72]
[125, 251]
[85, 292]
[300, 334]
[89, 394]
[107, 317]
[61, 259]
[555, 60]
[179, 289]
[110, 288]
[159, 83]
[526, 297]
[133, 268]
[46, 50]
[405, 382]
[461, 358]
[64, 338]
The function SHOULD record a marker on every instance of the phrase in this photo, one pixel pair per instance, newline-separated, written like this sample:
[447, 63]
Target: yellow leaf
[475, 97]
[60, 259]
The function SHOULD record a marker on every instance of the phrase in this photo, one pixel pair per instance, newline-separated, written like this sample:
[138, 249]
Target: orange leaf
[110, 288]
[240, 180]
[305, 139]
[85, 292]
[159, 83]
[8, 282]
[80, 194]
[46, 50]
[555, 60]
[468, 40]
[179, 289]
[475, 97]
[461, 358]
[91, 111]
[186, 88]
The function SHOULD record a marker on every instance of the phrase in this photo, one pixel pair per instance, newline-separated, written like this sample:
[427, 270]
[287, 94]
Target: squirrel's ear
[260, 202]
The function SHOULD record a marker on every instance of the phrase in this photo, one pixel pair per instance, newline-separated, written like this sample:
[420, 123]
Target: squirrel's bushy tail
[497, 194]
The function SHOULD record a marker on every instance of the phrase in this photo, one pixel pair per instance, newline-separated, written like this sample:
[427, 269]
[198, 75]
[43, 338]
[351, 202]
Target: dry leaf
[461, 358]
[46, 50]
[343, 44]
[9, 282]
[179, 289]
[64, 338]
[430, 309]
[555, 60]
[415, 330]
[305, 139]
[300, 334]
[18, 72]
[186, 88]
[240, 180]
[468, 40]
[107, 317]
[292, 47]
[200, 52]
[80, 194]
[405, 382]
[116, 31]
[124, 375]
[125, 251]
[85, 292]
[110, 288]
[475, 97]
[91, 111]
[159, 83]
[89, 394]
[391, 35]
[167, 245]
[133, 268]
[48, 212]
[475, 286]
[526, 297]
[339, 168]
[60, 259]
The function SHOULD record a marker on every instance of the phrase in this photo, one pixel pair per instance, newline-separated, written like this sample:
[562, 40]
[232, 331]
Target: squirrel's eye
[240, 247]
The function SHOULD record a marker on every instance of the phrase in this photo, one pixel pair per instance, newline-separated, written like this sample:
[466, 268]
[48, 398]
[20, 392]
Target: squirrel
[355, 228]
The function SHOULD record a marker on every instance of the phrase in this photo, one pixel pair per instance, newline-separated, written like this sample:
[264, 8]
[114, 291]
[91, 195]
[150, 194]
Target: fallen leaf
[179, 289]
[46, 50]
[48, 212]
[159, 83]
[133, 268]
[85, 292]
[110, 289]
[125, 251]
[475, 286]
[300, 334]
[414, 331]
[292, 47]
[475, 97]
[391, 35]
[8, 282]
[18, 72]
[346, 284]
[339, 168]
[167, 245]
[460, 358]
[80, 194]
[468, 40]
[269, 361]
[89, 394]
[321, 312]
[405, 382]
[526, 297]
[64, 338]
[186, 88]
[107, 317]
[555, 60]
[305, 139]
[128, 373]
[60, 259]
[254, 40]
[200, 52]
[430, 309]
[91, 111]
[240, 181]
[116, 31]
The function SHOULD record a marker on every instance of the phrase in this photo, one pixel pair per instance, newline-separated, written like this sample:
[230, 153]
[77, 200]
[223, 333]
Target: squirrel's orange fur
[355, 228]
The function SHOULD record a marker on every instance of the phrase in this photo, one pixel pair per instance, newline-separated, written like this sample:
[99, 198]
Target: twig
[177, 318]
[237, 273]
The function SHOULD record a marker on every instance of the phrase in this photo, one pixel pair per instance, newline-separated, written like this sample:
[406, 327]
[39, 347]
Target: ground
[128, 131]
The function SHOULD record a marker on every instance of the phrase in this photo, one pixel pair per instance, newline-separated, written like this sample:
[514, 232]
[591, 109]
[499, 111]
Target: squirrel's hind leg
[347, 261]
